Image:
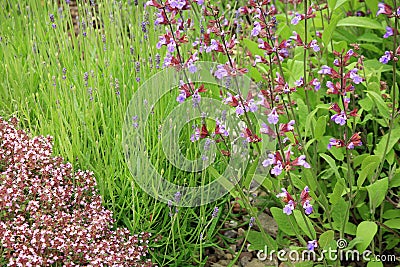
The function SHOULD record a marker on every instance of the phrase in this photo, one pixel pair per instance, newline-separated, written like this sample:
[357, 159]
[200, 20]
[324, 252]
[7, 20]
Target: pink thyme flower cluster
[305, 199]
[53, 215]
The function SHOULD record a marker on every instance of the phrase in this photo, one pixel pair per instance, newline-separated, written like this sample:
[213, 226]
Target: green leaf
[393, 223]
[320, 127]
[380, 104]
[326, 238]
[339, 215]
[371, 47]
[337, 191]
[253, 47]
[331, 163]
[366, 103]
[391, 214]
[372, 5]
[328, 31]
[332, 4]
[362, 22]
[370, 37]
[283, 222]
[304, 264]
[302, 112]
[365, 232]
[303, 224]
[394, 138]
[339, 3]
[359, 159]
[250, 173]
[395, 181]
[368, 168]
[374, 263]
[337, 153]
[350, 228]
[256, 240]
[377, 192]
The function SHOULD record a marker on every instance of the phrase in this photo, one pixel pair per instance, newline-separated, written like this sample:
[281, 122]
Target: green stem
[394, 81]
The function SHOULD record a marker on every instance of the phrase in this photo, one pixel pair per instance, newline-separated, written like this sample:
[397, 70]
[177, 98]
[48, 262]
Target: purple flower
[192, 68]
[314, 45]
[332, 142]
[288, 209]
[398, 11]
[325, 70]
[336, 62]
[213, 46]
[252, 106]
[220, 72]
[181, 97]
[351, 145]
[257, 29]
[282, 194]
[239, 110]
[312, 245]
[339, 118]
[389, 32]
[160, 19]
[177, 197]
[196, 99]
[386, 57]
[171, 46]
[301, 161]
[350, 52]
[269, 161]
[277, 169]
[353, 75]
[296, 19]
[161, 41]
[330, 85]
[299, 82]
[316, 83]
[215, 212]
[51, 16]
[54, 26]
[179, 4]
[167, 60]
[308, 208]
[384, 9]
[273, 117]
[251, 223]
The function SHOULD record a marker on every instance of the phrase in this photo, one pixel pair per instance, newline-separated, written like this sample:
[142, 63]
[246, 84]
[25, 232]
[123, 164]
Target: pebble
[231, 233]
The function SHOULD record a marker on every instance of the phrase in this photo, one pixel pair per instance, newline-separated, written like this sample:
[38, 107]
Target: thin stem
[346, 136]
[394, 81]
[248, 122]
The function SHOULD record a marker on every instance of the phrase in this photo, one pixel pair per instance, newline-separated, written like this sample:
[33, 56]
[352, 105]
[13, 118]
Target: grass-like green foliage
[86, 117]
[77, 88]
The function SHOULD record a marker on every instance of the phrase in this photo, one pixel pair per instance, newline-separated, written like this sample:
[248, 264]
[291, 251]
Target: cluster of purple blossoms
[305, 199]
[343, 86]
[279, 163]
[299, 17]
[51, 215]
[389, 12]
[51, 17]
